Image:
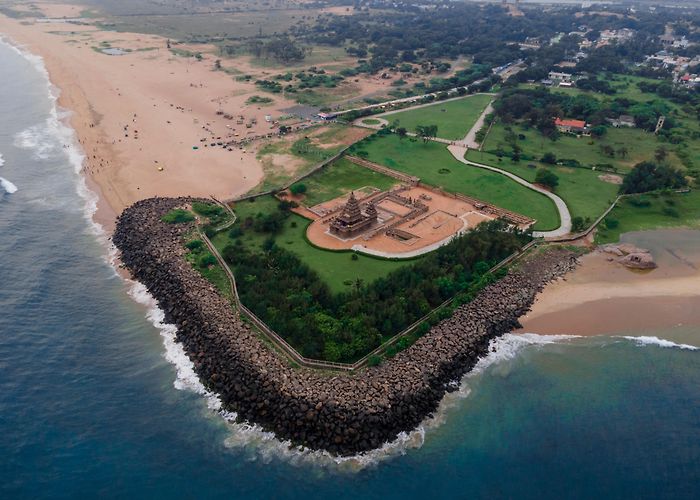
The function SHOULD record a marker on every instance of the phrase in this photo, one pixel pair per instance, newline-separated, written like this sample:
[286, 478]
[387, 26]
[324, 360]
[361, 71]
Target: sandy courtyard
[445, 217]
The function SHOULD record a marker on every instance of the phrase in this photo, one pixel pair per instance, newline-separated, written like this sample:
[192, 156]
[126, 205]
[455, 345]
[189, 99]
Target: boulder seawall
[343, 413]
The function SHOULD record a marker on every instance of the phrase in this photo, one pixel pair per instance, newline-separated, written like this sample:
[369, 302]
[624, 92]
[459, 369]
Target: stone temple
[351, 220]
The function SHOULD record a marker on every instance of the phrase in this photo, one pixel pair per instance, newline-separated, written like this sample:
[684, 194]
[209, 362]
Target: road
[564, 216]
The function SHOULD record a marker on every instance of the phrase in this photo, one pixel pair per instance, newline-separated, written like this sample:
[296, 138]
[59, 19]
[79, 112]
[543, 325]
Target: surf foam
[643, 341]
[7, 186]
[55, 136]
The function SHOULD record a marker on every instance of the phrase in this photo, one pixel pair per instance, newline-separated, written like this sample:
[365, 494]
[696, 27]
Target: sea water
[97, 399]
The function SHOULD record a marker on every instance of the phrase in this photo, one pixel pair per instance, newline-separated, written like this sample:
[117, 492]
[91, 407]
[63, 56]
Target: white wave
[7, 186]
[651, 340]
[56, 136]
[2, 160]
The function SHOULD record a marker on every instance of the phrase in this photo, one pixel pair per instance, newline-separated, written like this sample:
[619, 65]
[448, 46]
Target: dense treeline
[538, 107]
[289, 296]
[650, 176]
[408, 33]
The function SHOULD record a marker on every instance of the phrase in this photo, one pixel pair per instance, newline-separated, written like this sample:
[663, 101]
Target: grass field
[453, 118]
[337, 269]
[663, 211]
[339, 178]
[584, 193]
[640, 146]
[436, 166]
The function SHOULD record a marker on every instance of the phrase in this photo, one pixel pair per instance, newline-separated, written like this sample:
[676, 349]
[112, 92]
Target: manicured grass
[339, 178]
[587, 150]
[371, 121]
[435, 165]
[583, 192]
[453, 118]
[337, 269]
[661, 213]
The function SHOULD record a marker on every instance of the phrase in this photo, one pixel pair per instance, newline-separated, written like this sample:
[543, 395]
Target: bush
[639, 202]
[547, 178]
[611, 223]
[671, 212]
[195, 245]
[178, 216]
[235, 232]
[374, 360]
[207, 260]
[549, 158]
[298, 189]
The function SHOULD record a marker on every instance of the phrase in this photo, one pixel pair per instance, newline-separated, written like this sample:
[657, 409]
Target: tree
[547, 178]
[599, 131]
[217, 64]
[298, 189]
[649, 176]
[426, 132]
[549, 158]
[623, 151]
[660, 154]
[401, 132]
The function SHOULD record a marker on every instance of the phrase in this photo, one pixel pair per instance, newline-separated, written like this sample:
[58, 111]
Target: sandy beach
[603, 297]
[139, 116]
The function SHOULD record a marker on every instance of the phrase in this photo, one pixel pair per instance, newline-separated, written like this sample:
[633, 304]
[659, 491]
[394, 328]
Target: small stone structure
[351, 220]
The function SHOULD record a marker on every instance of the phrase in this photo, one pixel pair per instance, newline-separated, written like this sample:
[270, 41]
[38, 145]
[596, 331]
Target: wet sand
[603, 297]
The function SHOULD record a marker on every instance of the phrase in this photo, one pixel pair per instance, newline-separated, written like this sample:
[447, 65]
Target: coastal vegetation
[289, 296]
[178, 216]
[664, 209]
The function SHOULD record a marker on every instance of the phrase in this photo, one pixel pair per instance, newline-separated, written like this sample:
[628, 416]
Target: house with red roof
[571, 126]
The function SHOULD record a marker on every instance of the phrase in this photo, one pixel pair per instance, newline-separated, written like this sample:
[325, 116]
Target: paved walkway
[470, 139]
[564, 216]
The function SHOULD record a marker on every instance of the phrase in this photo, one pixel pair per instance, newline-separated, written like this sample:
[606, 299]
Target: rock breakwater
[341, 413]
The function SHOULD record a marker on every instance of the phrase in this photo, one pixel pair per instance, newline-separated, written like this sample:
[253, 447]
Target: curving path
[564, 216]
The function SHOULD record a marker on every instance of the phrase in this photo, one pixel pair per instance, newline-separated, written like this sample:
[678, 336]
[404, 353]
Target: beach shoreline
[602, 297]
[141, 119]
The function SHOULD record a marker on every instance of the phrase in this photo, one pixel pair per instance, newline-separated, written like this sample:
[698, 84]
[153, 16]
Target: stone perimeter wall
[341, 413]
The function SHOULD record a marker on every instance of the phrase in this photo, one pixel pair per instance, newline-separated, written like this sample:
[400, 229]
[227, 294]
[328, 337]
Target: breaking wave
[55, 137]
[7, 186]
[258, 444]
[656, 341]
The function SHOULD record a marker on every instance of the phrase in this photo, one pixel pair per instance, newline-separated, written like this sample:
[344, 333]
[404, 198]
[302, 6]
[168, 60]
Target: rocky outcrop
[629, 255]
[341, 413]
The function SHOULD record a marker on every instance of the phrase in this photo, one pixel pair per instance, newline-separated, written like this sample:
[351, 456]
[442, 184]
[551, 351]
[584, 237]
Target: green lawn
[584, 193]
[339, 178]
[587, 150]
[434, 164]
[334, 268]
[664, 211]
[453, 118]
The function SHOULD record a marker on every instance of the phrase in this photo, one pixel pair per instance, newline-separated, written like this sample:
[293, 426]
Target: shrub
[639, 202]
[195, 245]
[298, 189]
[549, 158]
[178, 216]
[207, 260]
[671, 212]
[374, 360]
[611, 223]
[354, 256]
[547, 178]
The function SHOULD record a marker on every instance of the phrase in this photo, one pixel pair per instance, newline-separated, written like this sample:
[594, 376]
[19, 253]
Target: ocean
[96, 398]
